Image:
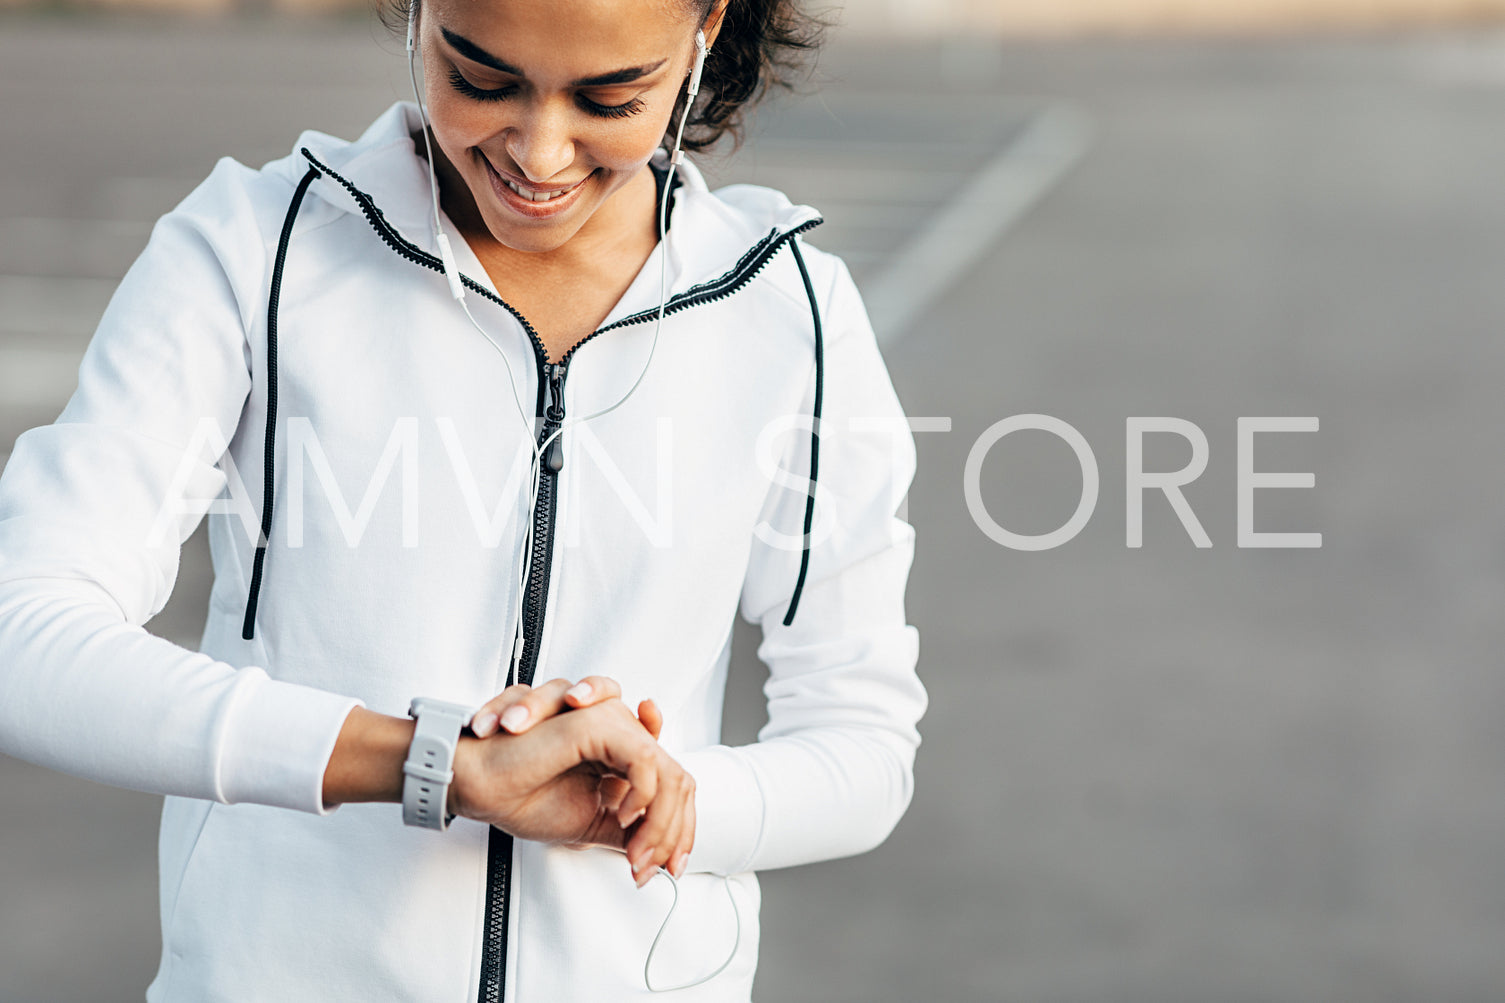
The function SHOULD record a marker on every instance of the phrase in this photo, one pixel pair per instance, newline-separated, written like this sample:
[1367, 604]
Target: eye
[470, 90]
[611, 110]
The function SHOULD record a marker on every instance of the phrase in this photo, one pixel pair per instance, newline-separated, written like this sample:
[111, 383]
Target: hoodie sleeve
[832, 771]
[86, 557]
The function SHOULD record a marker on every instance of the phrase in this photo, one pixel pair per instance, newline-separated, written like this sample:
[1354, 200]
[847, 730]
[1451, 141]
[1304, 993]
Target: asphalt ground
[1158, 774]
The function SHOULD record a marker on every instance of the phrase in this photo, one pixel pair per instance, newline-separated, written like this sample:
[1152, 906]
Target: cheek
[624, 146]
[460, 123]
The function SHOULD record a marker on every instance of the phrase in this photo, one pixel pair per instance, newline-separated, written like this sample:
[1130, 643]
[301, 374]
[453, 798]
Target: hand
[547, 783]
[520, 706]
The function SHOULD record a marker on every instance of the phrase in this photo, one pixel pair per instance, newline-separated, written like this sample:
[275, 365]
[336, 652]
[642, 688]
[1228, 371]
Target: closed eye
[611, 110]
[470, 90]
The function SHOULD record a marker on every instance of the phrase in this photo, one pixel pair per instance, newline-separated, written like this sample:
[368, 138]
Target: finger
[652, 719]
[484, 721]
[681, 858]
[669, 844]
[649, 847]
[652, 844]
[593, 690]
[520, 707]
[643, 780]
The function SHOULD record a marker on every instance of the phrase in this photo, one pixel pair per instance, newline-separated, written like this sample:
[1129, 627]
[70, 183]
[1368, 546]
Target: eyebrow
[475, 53]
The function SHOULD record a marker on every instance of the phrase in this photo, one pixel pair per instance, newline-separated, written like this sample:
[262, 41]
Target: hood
[712, 229]
[381, 178]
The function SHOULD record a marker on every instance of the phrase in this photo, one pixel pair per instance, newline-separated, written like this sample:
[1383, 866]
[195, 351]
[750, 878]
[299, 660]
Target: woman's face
[546, 108]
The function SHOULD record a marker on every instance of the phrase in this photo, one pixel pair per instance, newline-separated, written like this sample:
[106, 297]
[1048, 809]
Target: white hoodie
[400, 496]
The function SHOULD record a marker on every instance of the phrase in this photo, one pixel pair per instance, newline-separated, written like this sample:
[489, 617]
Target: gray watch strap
[431, 759]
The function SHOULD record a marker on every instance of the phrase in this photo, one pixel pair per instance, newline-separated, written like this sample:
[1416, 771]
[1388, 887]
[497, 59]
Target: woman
[302, 317]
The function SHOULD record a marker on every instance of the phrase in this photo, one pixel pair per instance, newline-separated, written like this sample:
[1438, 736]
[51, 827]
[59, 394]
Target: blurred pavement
[1163, 775]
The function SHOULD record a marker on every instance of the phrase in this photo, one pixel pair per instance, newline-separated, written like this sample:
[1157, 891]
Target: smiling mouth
[534, 196]
[530, 194]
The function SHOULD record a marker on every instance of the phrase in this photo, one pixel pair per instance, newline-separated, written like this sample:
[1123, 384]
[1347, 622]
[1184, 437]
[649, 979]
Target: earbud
[700, 54]
[701, 50]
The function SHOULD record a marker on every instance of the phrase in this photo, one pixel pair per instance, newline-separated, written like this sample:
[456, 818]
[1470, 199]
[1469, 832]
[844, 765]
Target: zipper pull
[555, 411]
[553, 454]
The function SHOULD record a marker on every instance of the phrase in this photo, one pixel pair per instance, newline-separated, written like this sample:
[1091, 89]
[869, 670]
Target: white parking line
[994, 200]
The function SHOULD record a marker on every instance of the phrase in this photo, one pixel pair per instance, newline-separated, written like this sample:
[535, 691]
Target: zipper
[551, 377]
[536, 594]
[499, 844]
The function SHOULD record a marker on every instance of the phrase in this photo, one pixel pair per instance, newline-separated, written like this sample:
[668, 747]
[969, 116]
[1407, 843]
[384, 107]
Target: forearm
[84, 692]
[366, 764]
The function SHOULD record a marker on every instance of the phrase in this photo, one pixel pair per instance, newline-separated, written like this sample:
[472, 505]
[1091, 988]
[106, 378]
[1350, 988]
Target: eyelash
[470, 90]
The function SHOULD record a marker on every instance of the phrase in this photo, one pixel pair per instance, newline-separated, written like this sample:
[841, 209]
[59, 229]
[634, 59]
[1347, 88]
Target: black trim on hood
[820, 367]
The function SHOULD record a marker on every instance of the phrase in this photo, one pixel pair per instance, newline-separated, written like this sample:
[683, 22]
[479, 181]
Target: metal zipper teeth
[744, 271]
[500, 843]
[419, 256]
[536, 596]
[494, 929]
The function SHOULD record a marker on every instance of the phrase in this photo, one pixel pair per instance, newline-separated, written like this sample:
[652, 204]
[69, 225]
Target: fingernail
[580, 691]
[484, 724]
[640, 859]
[680, 860]
[634, 818]
[514, 718]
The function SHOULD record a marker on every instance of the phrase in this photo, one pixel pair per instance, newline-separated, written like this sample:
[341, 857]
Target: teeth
[537, 196]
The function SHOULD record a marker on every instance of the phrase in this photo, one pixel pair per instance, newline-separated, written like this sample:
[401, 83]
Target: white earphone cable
[648, 981]
[535, 466]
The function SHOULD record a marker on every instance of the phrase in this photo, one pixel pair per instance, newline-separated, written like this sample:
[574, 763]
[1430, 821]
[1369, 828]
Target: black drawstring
[820, 363]
[248, 629]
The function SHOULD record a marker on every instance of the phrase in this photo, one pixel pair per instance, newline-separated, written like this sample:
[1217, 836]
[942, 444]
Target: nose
[541, 144]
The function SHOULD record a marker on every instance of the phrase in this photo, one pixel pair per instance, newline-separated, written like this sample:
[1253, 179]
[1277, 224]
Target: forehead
[568, 37]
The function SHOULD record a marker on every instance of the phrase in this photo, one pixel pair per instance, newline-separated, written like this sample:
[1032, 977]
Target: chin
[535, 237]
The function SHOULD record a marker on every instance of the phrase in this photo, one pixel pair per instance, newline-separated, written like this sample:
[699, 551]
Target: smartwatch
[430, 764]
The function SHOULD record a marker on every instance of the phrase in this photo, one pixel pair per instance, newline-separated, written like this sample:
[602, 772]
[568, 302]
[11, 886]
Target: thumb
[648, 714]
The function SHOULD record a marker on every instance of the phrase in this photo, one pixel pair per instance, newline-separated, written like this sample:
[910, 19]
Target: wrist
[366, 764]
[456, 801]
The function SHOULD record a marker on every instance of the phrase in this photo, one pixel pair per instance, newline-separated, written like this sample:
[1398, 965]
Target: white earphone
[457, 290]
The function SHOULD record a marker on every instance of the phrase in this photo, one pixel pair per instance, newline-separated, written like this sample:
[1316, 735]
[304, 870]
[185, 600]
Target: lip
[525, 207]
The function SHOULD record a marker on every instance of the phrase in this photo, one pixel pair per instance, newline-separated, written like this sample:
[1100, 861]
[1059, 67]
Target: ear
[713, 22]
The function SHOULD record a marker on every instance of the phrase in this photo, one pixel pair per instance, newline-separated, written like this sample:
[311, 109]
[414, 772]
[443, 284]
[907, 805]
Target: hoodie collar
[709, 231]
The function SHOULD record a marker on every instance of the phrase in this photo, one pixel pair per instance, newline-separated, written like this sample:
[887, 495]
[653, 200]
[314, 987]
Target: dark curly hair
[762, 44]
